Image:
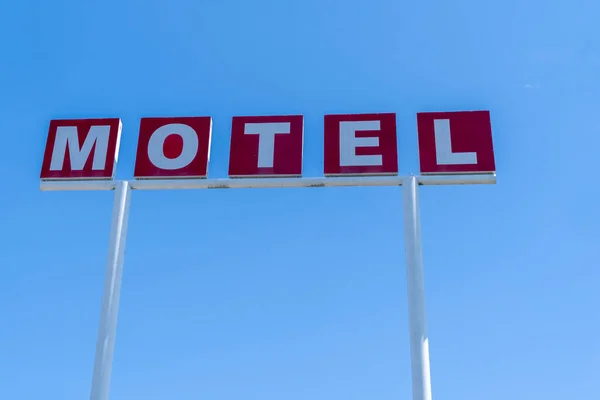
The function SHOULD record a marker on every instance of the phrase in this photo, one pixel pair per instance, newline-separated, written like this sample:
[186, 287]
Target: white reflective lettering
[349, 142]
[266, 139]
[156, 152]
[443, 146]
[66, 136]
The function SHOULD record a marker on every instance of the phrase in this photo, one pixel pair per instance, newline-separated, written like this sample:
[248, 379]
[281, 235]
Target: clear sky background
[300, 294]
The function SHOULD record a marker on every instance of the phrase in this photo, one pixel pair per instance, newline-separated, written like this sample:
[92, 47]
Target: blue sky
[301, 294]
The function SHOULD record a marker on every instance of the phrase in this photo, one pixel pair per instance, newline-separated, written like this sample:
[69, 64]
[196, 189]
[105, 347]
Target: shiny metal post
[419, 343]
[107, 330]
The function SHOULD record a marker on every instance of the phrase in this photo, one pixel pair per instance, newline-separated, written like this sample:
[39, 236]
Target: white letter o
[157, 141]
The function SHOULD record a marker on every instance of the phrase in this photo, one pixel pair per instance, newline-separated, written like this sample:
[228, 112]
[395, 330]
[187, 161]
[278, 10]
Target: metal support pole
[107, 330]
[419, 345]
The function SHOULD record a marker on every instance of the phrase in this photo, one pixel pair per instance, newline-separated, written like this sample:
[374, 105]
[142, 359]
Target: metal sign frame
[107, 330]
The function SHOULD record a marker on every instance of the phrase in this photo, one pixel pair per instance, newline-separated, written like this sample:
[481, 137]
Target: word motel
[458, 142]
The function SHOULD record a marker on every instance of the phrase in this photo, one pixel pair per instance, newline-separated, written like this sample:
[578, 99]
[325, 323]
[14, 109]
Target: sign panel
[81, 149]
[455, 142]
[360, 144]
[458, 142]
[266, 146]
[173, 148]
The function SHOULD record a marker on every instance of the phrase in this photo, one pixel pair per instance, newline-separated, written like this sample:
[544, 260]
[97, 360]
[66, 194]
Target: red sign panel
[361, 144]
[266, 146]
[81, 149]
[455, 142]
[269, 146]
[173, 147]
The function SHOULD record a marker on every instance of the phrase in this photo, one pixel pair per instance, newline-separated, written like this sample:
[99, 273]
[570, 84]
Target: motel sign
[266, 151]
[268, 146]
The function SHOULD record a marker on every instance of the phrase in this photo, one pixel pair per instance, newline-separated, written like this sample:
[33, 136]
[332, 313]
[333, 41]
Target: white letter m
[66, 136]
